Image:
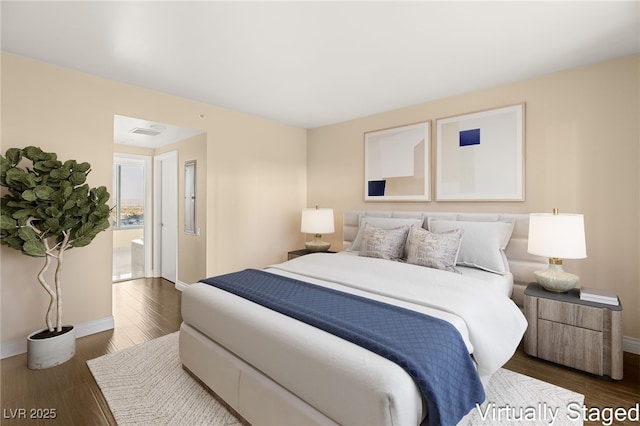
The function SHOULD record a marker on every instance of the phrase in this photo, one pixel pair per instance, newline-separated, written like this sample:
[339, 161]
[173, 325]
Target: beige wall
[255, 178]
[582, 155]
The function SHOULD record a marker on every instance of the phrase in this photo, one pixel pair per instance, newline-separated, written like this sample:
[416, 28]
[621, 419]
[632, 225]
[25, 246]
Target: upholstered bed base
[241, 387]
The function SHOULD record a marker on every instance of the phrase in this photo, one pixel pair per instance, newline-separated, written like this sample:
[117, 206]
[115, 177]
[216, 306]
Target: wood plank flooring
[148, 308]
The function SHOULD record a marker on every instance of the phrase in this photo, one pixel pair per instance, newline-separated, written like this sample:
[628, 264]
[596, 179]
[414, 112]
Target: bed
[272, 369]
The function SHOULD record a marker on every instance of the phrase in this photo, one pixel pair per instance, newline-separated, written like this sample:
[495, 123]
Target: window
[128, 194]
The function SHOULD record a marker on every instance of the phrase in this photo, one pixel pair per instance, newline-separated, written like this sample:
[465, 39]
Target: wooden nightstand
[573, 332]
[298, 253]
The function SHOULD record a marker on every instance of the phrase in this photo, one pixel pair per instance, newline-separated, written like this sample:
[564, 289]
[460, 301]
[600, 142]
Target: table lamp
[317, 221]
[557, 236]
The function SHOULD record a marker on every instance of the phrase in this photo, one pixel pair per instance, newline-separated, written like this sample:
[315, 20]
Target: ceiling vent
[143, 131]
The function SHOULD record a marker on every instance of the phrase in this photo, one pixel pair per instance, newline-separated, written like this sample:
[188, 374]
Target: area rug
[146, 385]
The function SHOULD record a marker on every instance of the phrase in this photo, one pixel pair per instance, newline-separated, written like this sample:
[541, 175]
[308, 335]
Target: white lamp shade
[317, 221]
[557, 235]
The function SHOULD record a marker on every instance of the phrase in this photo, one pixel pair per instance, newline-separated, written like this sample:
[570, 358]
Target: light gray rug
[146, 385]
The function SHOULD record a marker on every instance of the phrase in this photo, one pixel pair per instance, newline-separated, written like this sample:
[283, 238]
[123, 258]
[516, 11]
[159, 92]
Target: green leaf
[43, 192]
[29, 195]
[34, 153]
[52, 212]
[102, 210]
[82, 167]
[27, 234]
[5, 165]
[31, 180]
[35, 248]
[42, 167]
[22, 214]
[82, 242]
[61, 173]
[101, 194]
[83, 230]
[15, 177]
[14, 155]
[53, 224]
[13, 242]
[66, 188]
[77, 178]
[7, 222]
[103, 225]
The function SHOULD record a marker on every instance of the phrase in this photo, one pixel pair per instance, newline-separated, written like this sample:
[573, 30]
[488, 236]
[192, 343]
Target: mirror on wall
[190, 197]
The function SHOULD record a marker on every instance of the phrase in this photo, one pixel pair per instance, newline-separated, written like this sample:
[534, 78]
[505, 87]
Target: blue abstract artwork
[470, 137]
[376, 188]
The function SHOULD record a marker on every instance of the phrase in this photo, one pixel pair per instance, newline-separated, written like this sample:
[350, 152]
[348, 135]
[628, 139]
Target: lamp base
[317, 244]
[555, 279]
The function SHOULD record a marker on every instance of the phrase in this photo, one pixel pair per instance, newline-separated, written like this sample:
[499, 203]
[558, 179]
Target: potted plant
[47, 210]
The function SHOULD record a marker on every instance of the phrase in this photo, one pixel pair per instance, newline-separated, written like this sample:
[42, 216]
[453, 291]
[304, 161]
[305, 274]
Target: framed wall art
[480, 156]
[396, 163]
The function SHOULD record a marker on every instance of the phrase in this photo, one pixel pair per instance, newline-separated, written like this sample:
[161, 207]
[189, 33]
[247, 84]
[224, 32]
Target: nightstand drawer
[571, 346]
[572, 314]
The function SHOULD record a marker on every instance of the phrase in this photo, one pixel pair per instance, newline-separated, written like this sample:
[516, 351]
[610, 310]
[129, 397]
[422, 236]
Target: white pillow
[483, 243]
[382, 223]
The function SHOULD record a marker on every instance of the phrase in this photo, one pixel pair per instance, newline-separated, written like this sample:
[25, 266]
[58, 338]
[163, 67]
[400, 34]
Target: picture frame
[480, 156]
[396, 163]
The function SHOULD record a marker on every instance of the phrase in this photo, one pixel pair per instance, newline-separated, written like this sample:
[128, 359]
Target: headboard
[521, 263]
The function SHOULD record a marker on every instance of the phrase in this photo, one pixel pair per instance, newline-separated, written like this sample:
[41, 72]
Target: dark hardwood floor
[148, 308]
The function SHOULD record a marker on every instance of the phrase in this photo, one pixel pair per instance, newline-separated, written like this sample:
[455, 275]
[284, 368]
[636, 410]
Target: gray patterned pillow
[433, 250]
[383, 243]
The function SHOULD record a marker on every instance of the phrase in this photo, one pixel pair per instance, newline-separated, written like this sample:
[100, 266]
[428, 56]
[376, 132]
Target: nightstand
[573, 332]
[298, 253]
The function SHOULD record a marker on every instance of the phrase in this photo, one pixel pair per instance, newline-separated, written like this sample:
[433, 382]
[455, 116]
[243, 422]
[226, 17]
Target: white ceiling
[310, 64]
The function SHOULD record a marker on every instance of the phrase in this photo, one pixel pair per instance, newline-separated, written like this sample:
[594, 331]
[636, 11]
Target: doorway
[161, 145]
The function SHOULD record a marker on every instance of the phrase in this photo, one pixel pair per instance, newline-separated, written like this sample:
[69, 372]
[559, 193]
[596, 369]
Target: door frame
[157, 212]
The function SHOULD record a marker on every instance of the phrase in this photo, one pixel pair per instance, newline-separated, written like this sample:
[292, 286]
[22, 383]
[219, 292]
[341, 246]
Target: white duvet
[490, 323]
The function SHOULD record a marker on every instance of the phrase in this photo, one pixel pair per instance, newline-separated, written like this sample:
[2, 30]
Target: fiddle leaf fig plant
[48, 209]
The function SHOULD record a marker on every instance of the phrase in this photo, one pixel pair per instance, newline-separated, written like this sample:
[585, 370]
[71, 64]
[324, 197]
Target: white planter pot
[52, 351]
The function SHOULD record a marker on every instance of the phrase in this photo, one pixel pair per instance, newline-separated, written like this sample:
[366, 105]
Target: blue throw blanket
[429, 349]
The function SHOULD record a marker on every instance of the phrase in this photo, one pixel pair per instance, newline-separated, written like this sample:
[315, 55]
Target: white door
[167, 169]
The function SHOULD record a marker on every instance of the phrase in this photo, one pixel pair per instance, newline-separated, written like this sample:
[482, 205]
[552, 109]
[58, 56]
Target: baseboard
[180, 285]
[19, 346]
[631, 344]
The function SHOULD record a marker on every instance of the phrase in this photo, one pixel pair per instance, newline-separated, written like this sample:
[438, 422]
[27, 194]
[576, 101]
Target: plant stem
[41, 279]
[62, 247]
[49, 290]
